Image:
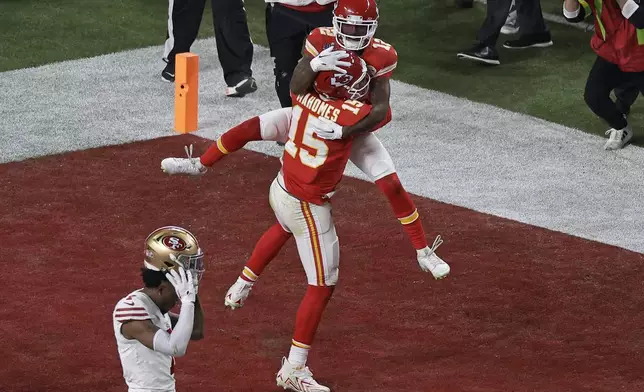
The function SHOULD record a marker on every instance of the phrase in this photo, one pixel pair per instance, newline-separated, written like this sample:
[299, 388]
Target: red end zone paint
[525, 309]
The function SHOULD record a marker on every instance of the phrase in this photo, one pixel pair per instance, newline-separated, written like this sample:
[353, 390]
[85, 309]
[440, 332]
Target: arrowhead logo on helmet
[340, 79]
[354, 84]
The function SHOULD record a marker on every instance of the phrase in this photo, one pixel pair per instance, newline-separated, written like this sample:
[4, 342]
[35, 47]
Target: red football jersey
[381, 57]
[312, 167]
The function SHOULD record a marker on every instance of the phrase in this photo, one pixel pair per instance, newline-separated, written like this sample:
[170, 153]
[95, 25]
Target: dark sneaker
[246, 86]
[525, 41]
[167, 75]
[480, 53]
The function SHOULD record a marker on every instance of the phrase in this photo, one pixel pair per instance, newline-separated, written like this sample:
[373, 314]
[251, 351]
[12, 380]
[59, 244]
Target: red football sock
[265, 250]
[404, 209]
[233, 140]
[309, 314]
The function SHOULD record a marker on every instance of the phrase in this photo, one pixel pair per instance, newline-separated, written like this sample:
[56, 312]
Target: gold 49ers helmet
[170, 246]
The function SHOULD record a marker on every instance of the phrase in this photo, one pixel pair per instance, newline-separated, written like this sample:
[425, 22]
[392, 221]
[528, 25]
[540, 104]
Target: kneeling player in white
[148, 336]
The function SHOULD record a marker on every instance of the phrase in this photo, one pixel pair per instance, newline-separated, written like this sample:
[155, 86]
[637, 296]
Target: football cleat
[430, 262]
[191, 166]
[237, 294]
[298, 379]
[618, 138]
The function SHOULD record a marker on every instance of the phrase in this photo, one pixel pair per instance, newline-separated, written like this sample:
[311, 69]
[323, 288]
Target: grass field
[546, 83]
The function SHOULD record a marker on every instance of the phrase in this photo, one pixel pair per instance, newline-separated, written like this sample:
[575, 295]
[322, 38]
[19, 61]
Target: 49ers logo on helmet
[174, 243]
[339, 80]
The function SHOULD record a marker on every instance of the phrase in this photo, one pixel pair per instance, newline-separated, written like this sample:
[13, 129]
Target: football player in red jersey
[354, 27]
[300, 194]
[368, 153]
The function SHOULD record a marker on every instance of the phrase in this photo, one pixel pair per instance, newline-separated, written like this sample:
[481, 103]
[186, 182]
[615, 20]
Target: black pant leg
[234, 46]
[602, 79]
[530, 17]
[497, 13]
[625, 96]
[183, 26]
[319, 19]
[286, 34]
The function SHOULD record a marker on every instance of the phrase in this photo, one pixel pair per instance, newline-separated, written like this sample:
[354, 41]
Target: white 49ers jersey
[143, 369]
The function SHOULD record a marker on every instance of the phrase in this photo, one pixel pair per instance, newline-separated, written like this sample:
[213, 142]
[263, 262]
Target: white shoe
[191, 166]
[237, 294]
[618, 138]
[298, 380]
[429, 260]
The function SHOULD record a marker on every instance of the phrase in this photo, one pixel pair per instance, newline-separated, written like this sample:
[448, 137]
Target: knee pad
[371, 157]
[275, 124]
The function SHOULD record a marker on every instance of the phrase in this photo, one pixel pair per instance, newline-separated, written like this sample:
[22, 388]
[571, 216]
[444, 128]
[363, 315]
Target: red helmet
[355, 22]
[352, 85]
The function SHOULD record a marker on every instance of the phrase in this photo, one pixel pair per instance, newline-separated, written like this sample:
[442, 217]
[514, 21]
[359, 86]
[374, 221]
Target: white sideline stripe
[446, 148]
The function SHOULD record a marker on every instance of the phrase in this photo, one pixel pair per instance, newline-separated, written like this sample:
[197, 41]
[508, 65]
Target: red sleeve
[316, 40]
[352, 112]
[233, 140]
[381, 58]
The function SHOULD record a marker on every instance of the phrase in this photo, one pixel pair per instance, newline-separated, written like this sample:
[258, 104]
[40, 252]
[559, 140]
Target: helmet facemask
[354, 33]
[194, 264]
[360, 88]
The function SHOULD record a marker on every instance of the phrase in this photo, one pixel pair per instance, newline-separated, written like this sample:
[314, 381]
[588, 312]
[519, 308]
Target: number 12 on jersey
[301, 135]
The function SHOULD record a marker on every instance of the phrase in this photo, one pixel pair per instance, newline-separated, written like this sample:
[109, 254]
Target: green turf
[546, 83]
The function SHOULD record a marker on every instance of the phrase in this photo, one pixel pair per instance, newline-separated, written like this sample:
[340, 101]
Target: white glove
[327, 129]
[183, 284]
[329, 60]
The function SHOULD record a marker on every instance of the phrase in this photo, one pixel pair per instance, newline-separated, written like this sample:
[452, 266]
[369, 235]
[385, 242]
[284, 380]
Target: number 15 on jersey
[301, 135]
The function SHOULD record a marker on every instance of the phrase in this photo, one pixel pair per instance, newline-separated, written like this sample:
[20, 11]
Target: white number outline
[378, 43]
[321, 149]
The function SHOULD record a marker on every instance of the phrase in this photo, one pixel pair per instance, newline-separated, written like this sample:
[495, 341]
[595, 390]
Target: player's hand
[330, 60]
[327, 129]
[183, 284]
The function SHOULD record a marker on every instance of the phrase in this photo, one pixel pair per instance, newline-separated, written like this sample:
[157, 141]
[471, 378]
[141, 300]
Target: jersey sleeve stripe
[310, 48]
[120, 316]
[386, 69]
[315, 244]
[129, 309]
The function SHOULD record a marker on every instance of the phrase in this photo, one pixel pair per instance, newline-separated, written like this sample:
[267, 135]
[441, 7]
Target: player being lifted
[299, 196]
[148, 336]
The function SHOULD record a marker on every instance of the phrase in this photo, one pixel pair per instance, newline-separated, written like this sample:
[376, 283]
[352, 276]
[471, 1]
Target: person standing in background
[288, 23]
[619, 62]
[534, 31]
[232, 37]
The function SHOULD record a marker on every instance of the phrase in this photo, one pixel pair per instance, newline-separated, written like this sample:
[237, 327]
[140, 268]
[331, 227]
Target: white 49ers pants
[314, 231]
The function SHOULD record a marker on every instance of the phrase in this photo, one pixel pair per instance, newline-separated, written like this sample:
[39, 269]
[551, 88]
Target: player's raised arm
[176, 342]
[197, 324]
[379, 97]
[308, 67]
